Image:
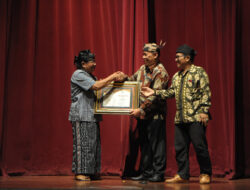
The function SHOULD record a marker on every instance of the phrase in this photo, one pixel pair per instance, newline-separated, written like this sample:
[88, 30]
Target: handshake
[119, 76]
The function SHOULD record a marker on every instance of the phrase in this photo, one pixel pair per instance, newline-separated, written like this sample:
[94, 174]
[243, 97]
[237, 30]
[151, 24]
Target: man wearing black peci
[190, 87]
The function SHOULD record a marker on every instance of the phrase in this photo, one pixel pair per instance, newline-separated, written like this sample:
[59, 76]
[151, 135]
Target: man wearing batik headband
[151, 116]
[190, 87]
[86, 161]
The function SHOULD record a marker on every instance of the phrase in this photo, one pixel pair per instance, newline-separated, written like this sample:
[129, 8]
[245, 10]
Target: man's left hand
[204, 118]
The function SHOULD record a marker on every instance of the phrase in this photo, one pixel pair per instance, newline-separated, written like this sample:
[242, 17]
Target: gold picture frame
[118, 98]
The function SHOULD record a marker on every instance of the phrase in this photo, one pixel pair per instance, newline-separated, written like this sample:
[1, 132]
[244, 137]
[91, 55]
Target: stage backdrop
[39, 40]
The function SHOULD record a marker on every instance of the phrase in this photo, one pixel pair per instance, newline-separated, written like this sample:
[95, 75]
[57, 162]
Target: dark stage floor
[110, 182]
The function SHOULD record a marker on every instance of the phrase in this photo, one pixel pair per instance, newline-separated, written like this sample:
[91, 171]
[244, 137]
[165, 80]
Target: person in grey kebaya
[86, 162]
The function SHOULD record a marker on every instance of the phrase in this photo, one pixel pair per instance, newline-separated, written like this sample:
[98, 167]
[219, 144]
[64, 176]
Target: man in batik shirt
[151, 116]
[190, 87]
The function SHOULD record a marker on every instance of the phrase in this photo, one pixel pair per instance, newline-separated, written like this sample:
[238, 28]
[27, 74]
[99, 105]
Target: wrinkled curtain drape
[38, 42]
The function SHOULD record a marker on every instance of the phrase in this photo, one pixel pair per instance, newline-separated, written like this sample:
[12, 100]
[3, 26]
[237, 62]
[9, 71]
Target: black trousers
[152, 137]
[184, 135]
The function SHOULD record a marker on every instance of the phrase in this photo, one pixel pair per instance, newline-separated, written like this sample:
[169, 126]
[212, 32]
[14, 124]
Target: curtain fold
[242, 89]
[4, 25]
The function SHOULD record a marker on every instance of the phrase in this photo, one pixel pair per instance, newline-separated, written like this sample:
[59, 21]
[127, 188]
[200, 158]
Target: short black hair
[83, 56]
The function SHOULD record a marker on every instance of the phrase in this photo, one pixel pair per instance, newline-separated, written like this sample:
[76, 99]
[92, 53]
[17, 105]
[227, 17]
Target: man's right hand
[120, 76]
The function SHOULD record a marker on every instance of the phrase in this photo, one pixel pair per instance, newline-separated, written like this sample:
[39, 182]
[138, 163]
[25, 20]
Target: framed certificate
[118, 98]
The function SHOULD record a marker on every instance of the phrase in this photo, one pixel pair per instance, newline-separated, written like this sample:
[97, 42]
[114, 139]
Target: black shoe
[95, 177]
[139, 178]
[156, 178]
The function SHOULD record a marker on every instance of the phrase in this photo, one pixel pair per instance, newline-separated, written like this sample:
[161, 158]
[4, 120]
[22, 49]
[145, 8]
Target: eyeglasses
[178, 56]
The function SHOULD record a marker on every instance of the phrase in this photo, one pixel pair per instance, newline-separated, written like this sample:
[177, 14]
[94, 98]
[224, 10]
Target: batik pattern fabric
[153, 106]
[192, 93]
[86, 148]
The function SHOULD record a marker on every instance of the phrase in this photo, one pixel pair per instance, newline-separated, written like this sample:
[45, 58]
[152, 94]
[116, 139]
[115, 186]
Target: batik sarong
[86, 148]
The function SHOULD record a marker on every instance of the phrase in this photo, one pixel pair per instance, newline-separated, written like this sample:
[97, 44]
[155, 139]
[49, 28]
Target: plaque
[117, 98]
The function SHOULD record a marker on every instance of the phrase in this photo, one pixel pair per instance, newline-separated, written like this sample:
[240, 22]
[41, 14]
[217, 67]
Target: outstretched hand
[120, 76]
[146, 91]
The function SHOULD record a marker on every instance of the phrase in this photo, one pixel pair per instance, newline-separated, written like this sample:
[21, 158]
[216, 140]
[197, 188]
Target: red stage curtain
[39, 40]
[242, 89]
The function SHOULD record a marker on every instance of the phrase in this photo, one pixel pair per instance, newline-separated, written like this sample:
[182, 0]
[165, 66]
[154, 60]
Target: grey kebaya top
[82, 97]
